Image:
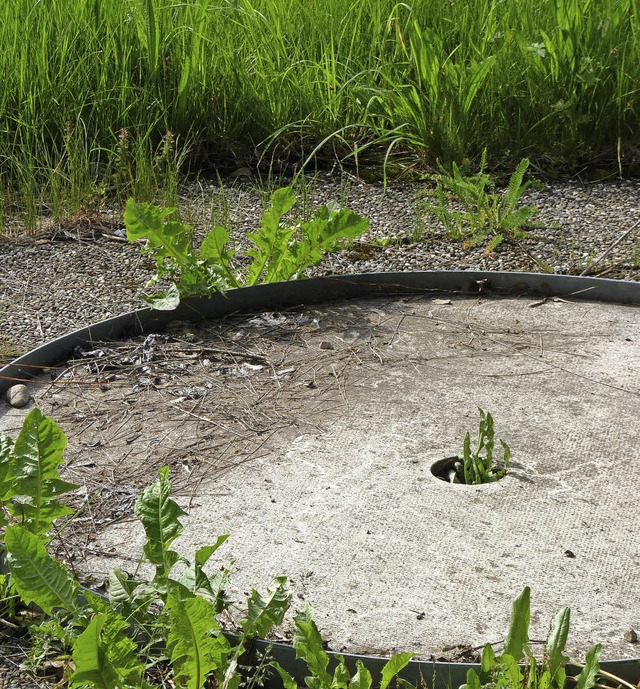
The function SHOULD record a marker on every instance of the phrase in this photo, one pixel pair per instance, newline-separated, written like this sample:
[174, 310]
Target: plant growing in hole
[281, 250]
[487, 215]
[474, 468]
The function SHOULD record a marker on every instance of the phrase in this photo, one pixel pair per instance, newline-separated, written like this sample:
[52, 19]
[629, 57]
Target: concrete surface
[393, 559]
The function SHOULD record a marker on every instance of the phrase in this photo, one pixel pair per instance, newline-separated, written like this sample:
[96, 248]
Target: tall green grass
[105, 98]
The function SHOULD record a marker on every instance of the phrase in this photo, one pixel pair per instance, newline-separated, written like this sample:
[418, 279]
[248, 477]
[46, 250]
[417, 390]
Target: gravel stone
[51, 284]
[18, 396]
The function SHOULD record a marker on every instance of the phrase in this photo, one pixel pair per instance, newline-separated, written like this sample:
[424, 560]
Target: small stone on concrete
[631, 636]
[18, 396]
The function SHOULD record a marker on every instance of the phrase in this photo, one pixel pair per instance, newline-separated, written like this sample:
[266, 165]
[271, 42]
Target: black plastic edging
[314, 291]
[438, 675]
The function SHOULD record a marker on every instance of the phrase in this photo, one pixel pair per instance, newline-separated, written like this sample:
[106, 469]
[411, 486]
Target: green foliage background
[114, 95]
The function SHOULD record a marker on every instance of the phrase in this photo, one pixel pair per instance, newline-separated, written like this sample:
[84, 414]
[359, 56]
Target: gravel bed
[51, 284]
[69, 276]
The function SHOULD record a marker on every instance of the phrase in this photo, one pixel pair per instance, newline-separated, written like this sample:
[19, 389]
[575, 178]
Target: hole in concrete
[444, 469]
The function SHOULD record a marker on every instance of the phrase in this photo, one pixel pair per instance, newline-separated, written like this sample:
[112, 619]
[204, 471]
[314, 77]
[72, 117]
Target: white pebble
[17, 395]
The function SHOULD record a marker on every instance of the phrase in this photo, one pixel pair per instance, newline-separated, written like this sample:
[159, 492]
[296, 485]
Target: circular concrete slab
[343, 502]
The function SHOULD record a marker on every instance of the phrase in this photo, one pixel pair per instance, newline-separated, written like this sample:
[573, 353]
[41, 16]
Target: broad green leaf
[164, 301]
[123, 596]
[518, 634]
[166, 237]
[511, 671]
[90, 658]
[6, 467]
[488, 661]
[558, 640]
[473, 681]
[341, 675]
[159, 515]
[213, 249]
[37, 454]
[271, 241]
[198, 582]
[287, 680]
[362, 679]
[587, 677]
[308, 644]
[264, 613]
[395, 665]
[35, 575]
[193, 649]
[104, 653]
[544, 681]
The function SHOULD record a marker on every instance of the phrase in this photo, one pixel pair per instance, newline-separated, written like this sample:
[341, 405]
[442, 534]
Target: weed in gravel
[487, 214]
[281, 249]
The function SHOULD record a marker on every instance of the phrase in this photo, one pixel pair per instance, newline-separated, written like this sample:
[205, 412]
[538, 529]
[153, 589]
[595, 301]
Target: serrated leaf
[272, 240]
[198, 582]
[164, 301]
[105, 656]
[395, 665]
[511, 671]
[35, 575]
[287, 680]
[518, 634]
[159, 515]
[213, 249]
[36, 455]
[308, 645]
[193, 649]
[558, 640]
[265, 612]
[588, 675]
[362, 679]
[166, 237]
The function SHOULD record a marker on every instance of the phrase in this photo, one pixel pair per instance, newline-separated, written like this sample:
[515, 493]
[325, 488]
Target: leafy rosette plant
[280, 250]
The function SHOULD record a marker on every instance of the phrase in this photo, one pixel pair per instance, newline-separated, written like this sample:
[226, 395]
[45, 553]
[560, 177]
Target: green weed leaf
[518, 634]
[272, 240]
[558, 640]
[159, 515]
[265, 612]
[90, 658]
[395, 665]
[164, 301]
[511, 671]
[587, 677]
[287, 680]
[35, 575]
[362, 679]
[105, 656]
[488, 662]
[195, 580]
[36, 456]
[167, 238]
[473, 681]
[6, 468]
[308, 644]
[193, 648]
[213, 249]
